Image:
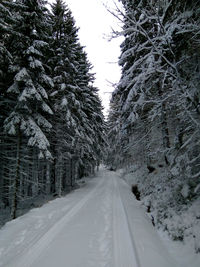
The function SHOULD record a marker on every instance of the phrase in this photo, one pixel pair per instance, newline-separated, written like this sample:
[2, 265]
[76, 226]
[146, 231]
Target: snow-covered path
[99, 225]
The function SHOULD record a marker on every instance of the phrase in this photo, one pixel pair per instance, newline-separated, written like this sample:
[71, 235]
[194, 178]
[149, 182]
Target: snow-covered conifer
[73, 143]
[29, 108]
[157, 101]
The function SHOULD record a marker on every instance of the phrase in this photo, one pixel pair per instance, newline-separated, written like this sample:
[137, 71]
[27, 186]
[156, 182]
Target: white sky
[95, 24]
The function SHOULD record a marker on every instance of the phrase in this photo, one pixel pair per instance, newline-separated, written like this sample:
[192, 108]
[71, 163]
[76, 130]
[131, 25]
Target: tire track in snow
[36, 249]
[124, 248]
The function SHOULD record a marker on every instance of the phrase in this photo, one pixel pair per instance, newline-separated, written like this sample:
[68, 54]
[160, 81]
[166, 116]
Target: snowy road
[99, 225]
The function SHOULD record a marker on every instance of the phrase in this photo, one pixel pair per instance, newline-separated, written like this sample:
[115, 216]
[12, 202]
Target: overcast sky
[95, 24]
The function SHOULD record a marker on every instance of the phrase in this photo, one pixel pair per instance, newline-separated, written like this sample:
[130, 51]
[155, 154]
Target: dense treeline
[51, 121]
[154, 112]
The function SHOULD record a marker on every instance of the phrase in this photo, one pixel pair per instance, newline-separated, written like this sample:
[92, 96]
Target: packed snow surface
[99, 225]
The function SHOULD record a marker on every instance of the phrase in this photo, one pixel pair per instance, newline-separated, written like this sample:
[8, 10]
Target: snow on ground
[182, 252]
[98, 225]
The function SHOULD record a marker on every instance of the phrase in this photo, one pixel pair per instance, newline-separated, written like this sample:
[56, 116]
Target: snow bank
[175, 217]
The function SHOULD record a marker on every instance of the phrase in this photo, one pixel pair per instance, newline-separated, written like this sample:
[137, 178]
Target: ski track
[36, 250]
[95, 229]
[124, 255]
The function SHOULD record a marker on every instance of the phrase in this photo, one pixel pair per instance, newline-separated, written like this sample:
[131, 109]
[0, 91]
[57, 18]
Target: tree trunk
[48, 178]
[72, 173]
[165, 132]
[16, 179]
[59, 174]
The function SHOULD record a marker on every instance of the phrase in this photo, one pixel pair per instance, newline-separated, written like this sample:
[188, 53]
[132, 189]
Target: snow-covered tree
[114, 151]
[157, 100]
[29, 109]
[6, 21]
[63, 70]
[92, 138]
[75, 102]
[52, 126]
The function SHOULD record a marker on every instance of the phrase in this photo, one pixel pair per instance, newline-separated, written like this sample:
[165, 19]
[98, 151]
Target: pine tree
[6, 21]
[92, 138]
[75, 130]
[29, 108]
[52, 126]
[114, 152]
[63, 69]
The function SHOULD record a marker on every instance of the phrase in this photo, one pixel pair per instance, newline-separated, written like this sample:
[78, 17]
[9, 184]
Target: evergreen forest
[52, 128]
[51, 120]
[154, 119]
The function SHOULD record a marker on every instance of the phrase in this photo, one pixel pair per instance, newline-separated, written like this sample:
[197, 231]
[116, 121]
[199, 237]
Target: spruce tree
[64, 35]
[6, 22]
[27, 120]
[52, 126]
[75, 149]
